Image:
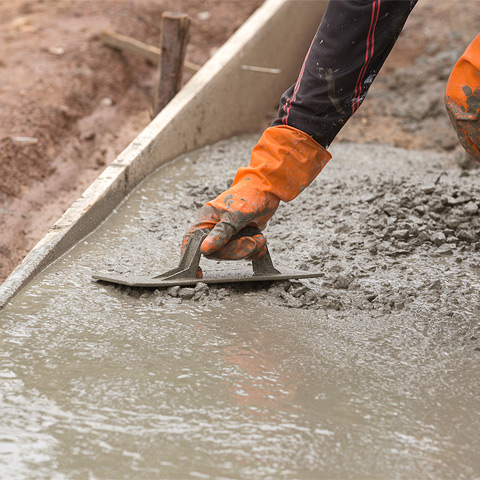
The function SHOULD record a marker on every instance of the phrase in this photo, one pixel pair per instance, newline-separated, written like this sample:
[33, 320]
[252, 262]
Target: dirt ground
[83, 102]
[80, 100]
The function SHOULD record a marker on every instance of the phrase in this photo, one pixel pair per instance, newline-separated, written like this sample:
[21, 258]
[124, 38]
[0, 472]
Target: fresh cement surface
[370, 371]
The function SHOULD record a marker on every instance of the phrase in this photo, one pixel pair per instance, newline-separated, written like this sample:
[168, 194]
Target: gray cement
[370, 371]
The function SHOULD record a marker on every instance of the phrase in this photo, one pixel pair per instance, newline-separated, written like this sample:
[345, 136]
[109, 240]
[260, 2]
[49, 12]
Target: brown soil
[84, 102]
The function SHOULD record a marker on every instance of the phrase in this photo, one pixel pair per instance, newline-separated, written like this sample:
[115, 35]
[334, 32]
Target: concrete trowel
[189, 273]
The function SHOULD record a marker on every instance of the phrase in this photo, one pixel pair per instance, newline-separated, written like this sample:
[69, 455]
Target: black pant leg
[347, 52]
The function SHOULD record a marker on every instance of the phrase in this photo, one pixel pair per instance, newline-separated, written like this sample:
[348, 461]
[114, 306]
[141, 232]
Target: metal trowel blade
[210, 277]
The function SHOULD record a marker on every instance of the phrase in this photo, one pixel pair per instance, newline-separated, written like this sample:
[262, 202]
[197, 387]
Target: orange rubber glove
[462, 98]
[283, 163]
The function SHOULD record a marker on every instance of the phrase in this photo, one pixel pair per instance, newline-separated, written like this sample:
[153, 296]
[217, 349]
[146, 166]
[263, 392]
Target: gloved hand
[283, 163]
[462, 98]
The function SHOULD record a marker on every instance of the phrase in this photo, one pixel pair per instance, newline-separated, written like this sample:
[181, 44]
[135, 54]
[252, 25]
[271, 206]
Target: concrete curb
[223, 99]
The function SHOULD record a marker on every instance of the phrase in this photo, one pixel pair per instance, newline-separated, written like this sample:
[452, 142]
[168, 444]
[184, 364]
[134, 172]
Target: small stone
[310, 296]
[412, 230]
[298, 292]
[201, 287]
[222, 293]
[428, 189]
[420, 209]
[422, 238]
[204, 15]
[173, 291]
[445, 249]
[438, 207]
[447, 200]
[343, 281]
[334, 304]
[400, 234]
[397, 252]
[439, 238]
[199, 296]
[465, 236]
[186, 293]
[463, 198]
[294, 303]
[471, 208]
[453, 222]
[56, 50]
[463, 225]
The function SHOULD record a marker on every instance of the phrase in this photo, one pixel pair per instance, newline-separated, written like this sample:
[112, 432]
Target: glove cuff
[283, 163]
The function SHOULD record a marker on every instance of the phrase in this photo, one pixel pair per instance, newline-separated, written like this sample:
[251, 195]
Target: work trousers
[346, 54]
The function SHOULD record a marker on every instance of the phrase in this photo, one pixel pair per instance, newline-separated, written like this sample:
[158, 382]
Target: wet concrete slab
[370, 371]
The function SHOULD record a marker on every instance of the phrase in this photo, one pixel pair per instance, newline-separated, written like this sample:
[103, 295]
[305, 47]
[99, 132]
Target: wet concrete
[370, 371]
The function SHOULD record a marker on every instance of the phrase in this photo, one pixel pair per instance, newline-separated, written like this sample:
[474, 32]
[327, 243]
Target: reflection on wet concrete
[96, 383]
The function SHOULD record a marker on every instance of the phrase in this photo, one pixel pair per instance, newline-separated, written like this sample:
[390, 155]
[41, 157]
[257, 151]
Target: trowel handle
[189, 262]
[190, 259]
[264, 264]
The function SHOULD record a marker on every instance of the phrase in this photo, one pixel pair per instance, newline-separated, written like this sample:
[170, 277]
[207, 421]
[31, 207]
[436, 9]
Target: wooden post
[170, 68]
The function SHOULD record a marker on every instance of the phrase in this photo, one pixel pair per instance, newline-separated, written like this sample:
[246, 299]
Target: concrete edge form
[230, 95]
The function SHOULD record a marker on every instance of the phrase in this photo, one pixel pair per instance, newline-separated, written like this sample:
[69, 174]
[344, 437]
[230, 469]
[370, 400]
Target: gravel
[388, 230]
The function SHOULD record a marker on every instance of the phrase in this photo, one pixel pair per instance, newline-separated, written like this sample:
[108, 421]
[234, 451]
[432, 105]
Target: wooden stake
[174, 44]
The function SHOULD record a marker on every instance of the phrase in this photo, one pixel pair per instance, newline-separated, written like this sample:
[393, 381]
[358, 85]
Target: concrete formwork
[221, 100]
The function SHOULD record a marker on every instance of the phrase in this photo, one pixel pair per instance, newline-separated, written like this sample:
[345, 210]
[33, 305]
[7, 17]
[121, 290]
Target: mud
[370, 371]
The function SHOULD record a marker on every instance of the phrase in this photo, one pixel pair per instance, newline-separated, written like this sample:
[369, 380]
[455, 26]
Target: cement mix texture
[369, 371]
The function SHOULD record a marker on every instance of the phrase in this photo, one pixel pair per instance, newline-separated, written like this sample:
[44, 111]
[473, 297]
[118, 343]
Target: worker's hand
[238, 207]
[283, 163]
[462, 98]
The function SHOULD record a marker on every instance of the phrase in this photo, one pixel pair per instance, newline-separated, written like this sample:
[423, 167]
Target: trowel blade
[212, 277]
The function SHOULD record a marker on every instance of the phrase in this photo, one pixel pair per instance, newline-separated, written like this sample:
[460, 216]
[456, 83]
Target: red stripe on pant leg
[371, 54]
[367, 51]
[297, 86]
